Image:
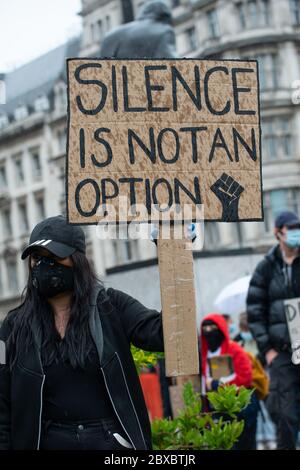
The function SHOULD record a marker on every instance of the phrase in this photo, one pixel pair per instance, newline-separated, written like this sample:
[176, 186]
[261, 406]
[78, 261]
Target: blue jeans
[106, 434]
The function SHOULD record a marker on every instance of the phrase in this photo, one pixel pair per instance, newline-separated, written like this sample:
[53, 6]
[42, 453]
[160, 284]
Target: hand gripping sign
[149, 139]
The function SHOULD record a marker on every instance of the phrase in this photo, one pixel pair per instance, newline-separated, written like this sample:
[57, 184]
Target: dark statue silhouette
[150, 36]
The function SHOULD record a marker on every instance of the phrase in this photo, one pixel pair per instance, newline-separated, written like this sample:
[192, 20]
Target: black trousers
[282, 402]
[106, 434]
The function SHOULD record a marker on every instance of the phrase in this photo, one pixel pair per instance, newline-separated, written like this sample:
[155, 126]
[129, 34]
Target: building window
[93, 38]
[41, 103]
[23, 218]
[108, 23]
[3, 177]
[125, 251]
[21, 112]
[213, 24]
[6, 223]
[61, 97]
[254, 13]
[62, 140]
[277, 201]
[265, 12]
[192, 38]
[277, 138]
[40, 206]
[241, 7]
[268, 71]
[99, 29]
[19, 170]
[295, 11]
[36, 164]
[12, 275]
[3, 121]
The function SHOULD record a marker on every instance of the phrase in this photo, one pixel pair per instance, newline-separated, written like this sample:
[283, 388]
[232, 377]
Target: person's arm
[257, 307]
[242, 368]
[5, 393]
[142, 326]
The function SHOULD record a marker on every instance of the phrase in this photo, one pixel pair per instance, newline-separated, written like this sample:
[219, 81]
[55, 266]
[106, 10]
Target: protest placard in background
[292, 311]
[167, 132]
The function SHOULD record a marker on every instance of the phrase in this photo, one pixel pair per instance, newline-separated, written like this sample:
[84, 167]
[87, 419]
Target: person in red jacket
[215, 341]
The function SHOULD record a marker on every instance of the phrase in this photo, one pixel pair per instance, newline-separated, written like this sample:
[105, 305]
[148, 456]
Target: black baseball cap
[57, 236]
[287, 219]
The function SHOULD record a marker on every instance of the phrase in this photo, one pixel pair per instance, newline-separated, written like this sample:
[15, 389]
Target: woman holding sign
[70, 381]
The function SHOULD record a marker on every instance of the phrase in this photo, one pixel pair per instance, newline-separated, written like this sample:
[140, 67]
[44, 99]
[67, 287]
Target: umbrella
[232, 299]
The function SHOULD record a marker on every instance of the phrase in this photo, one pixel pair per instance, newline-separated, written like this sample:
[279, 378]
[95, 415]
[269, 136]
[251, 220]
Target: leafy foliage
[227, 400]
[144, 358]
[193, 429]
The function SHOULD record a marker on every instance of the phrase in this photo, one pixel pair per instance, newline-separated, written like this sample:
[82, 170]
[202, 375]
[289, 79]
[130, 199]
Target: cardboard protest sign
[220, 366]
[292, 311]
[163, 133]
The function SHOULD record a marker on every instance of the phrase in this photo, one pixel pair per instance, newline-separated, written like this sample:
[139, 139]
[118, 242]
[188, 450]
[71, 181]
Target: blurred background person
[215, 341]
[244, 336]
[277, 278]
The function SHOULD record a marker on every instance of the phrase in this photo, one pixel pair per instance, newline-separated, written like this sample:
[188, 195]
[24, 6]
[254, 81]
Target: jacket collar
[98, 294]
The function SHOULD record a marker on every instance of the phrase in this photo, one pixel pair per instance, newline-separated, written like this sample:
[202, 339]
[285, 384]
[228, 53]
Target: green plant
[193, 429]
[144, 358]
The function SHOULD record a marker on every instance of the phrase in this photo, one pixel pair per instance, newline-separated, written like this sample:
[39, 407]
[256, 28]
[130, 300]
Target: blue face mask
[246, 335]
[293, 238]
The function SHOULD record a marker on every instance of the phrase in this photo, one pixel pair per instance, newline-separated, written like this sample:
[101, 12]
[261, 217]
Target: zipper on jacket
[116, 410]
[131, 400]
[40, 416]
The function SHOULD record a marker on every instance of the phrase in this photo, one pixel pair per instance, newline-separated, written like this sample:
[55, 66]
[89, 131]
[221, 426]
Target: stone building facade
[33, 124]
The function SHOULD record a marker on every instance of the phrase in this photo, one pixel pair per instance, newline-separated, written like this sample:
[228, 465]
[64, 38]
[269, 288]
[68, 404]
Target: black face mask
[214, 339]
[51, 278]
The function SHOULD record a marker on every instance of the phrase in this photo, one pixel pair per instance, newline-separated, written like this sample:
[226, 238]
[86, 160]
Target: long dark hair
[76, 346]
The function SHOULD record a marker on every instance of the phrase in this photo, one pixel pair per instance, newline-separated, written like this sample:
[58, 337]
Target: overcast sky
[29, 28]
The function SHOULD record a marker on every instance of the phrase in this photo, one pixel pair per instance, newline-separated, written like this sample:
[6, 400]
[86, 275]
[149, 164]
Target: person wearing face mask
[277, 278]
[244, 336]
[215, 341]
[70, 381]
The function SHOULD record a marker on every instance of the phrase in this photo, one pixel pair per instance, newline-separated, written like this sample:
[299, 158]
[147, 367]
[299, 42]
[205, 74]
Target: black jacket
[269, 287]
[147, 37]
[116, 320]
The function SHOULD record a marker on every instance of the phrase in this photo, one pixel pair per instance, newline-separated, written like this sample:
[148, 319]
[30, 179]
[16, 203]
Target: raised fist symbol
[228, 191]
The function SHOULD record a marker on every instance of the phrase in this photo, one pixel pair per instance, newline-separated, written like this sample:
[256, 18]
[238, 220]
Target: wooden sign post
[153, 140]
[176, 270]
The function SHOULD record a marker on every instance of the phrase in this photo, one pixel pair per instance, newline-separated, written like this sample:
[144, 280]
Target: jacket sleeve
[142, 326]
[5, 405]
[258, 305]
[242, 368]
